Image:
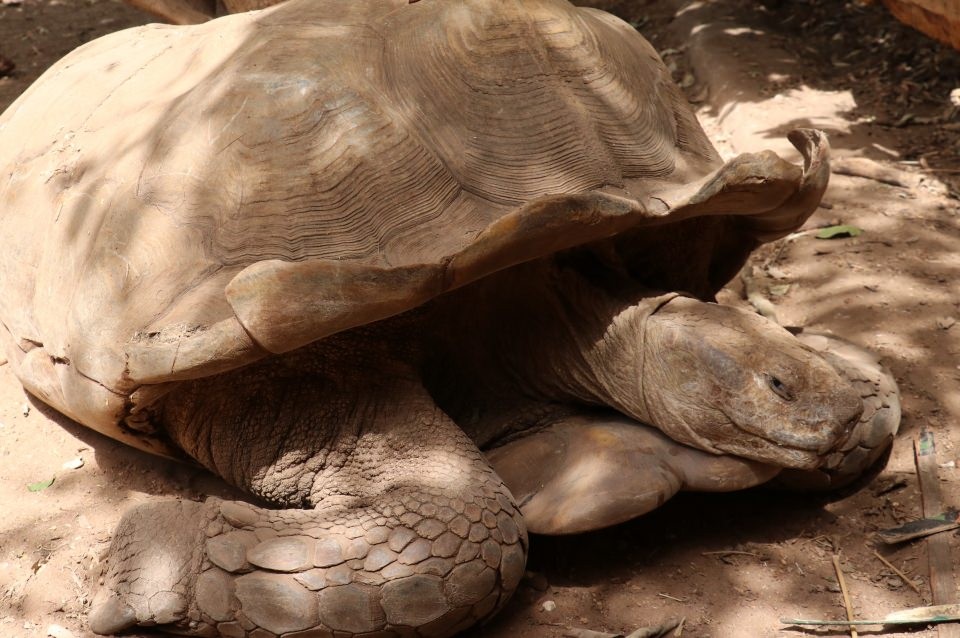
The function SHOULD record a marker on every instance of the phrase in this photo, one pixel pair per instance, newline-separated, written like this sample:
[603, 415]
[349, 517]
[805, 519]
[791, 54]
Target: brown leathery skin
[404, 527]
[573, 475]
[779, 401]
[700, 372]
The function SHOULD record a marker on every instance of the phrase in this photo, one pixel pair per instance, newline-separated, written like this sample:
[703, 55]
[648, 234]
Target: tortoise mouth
[798, 450]
[776, 453]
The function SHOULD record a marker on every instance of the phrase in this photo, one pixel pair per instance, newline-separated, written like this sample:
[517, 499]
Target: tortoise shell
[181, 201]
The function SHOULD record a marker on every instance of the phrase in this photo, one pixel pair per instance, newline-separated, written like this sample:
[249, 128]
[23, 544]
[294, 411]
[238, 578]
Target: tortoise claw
[112, 616]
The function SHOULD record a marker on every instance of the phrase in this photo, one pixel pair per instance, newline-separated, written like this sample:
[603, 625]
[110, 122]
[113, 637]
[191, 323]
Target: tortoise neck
[618, 358]
[550, 334]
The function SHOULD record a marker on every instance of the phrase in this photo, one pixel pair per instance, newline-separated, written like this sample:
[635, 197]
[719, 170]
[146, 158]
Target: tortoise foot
[871, 438]
[225, 568]
[153, 560]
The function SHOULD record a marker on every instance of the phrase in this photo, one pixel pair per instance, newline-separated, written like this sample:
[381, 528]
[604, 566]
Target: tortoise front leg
[405, 527]
[589, 471]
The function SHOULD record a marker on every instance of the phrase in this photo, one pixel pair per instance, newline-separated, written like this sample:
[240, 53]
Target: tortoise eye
[779, 388]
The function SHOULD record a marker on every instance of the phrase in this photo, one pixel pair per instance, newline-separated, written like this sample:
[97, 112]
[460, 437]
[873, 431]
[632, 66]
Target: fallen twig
[912, 616]
[679, 600]
[843, 591]
[890, 485]
[943, 587]
[797, 235]
[899, 573]
[869, 169]
[728, 552]
[949, 113]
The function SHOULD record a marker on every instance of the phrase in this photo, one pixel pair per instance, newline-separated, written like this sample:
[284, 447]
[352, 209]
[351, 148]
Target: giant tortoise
[333, 249]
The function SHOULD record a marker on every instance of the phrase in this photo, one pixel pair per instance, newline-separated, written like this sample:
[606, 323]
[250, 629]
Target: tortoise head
[729, 381]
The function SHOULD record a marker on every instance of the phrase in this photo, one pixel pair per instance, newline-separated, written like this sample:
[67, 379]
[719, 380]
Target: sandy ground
[755, 70]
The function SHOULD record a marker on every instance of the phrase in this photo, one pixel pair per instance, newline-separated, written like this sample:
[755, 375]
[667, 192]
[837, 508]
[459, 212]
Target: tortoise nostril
[844, 433]
[853, 422]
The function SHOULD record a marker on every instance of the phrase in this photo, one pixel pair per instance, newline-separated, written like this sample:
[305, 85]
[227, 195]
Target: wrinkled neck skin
[543, 335]
[716, 378]
[521, 337]
[618, 358]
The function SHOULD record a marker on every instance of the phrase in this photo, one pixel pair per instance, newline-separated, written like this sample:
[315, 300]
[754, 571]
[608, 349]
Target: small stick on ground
[679, 600]
[728, 552]
[846, 596]
[943, 587]
[867, 168]
[912, 585]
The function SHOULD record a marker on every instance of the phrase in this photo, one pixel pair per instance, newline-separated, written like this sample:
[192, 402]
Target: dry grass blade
[843, 591]
[912, 585]
[731, 552]
[574, 632]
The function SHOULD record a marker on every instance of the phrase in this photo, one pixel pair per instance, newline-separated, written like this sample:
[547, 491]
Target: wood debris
[912, 585]
[844, 593]
[942, 584]
[869, 169]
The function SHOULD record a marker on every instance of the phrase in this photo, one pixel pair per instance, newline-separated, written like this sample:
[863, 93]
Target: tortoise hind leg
[408, 532]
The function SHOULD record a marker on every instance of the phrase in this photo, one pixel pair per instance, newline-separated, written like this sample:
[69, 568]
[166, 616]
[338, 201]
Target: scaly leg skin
[411, 532]
[590, 471]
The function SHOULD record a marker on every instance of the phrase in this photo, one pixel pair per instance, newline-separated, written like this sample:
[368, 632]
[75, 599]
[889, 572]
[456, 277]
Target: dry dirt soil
[732, 565]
